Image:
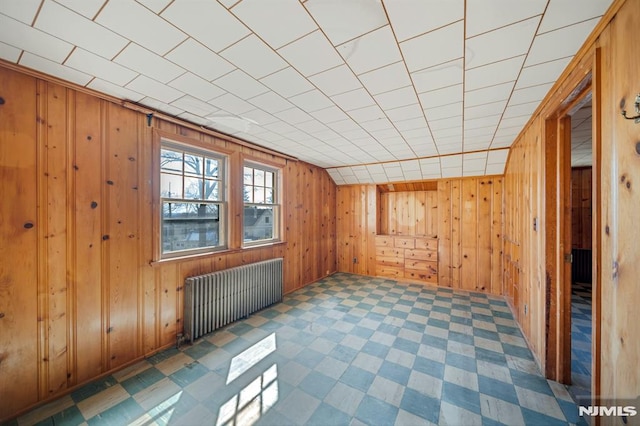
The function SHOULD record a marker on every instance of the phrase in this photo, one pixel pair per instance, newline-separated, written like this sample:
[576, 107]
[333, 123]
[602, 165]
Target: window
[192, 193]
[261, 208]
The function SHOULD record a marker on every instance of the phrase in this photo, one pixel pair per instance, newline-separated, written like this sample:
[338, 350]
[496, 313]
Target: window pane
[193, 164]
[211, 190]
[211, 167]
[258, 194]
[170, 186]
[193, 188]
[258, 223]
[268, 196]
[248, 176]
[171, 160]
[248, 194]
[258, 175]
[187, 226]
[268, 179]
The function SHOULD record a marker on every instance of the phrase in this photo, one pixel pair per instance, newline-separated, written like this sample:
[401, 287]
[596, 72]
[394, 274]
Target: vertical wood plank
[421, 213]
[469, 235]
[496, 236]
[483, 221]
[456, 233]
[444, 233]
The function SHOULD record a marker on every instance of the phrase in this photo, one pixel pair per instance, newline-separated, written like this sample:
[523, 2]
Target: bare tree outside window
[260, 203]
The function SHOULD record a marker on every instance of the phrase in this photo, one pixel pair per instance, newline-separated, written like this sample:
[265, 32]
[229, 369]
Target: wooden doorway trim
[557, 187]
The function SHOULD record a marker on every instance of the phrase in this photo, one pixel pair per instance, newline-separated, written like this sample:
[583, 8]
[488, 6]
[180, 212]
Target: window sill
[224, 252]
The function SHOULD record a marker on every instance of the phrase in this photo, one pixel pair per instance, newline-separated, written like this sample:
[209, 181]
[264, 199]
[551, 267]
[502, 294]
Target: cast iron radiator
[214, 300]
[581, 266]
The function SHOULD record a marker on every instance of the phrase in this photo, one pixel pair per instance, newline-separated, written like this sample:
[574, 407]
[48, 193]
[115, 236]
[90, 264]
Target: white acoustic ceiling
[374, 91]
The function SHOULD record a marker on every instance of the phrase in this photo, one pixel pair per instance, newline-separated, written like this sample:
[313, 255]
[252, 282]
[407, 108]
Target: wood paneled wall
[616, 72]
[80, 290]
[409, 213]
[581, 207]
[468, 225]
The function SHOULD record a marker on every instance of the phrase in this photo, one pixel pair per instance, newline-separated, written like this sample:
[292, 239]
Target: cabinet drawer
[421, 275]
[404, 242]
[384, 241]
[416, 254]
[389, 271]
[427, 244]
[422, 265]
[389, 252]
[390, 261]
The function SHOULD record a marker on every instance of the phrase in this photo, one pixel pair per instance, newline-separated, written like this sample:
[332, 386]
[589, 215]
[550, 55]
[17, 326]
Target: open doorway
[581, 247]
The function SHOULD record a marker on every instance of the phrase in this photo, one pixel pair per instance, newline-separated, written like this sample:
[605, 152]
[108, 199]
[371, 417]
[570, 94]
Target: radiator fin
[214, 300]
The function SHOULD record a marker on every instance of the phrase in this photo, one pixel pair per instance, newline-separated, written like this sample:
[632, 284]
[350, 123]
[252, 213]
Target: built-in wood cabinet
[406, 257]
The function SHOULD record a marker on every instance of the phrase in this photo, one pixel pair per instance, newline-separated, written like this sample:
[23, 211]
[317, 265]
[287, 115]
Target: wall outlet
[535, 223]
[525, 309]
[355, 260]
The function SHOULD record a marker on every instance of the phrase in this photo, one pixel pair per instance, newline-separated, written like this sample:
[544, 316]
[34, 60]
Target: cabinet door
[18, 244]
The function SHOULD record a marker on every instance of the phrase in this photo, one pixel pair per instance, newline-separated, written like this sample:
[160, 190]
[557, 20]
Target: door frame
[557, 214]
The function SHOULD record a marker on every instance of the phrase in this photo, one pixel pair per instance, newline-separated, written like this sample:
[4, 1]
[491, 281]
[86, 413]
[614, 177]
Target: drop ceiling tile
[335, 81]
[387, 136]
[480, 143]
[423, 148]
[492, 74]
[439, 134]
[9, 53]
[379, 123]
[95, 65]
[277, 23]
[154, 89]
[294, 116]
[508, 42]
[240, 84]
[287, 82]
[326, 135]
[116, 91]
[451, 145]
[148, 63]
[199, 60]
[353, 134]
[502, 142]
[560, 14]
[311, 126]
[345, 126]
[69, 26]
[530, 94]
[443, 45]
[411, 124]
[517, 122]
[208, 22]
[346, 20]
[486, 15]
[445, 111]
[329, 115]
[440, 76]
[139, 24]
[311, 54]
[451, 172]
[232, 103]
[22, 36]
[354, 99]
[487, 95]
[55, 69]
[86, 8]
[520, 110]
[197, 87]
[559, 43]
[367, 114]
[22, 10]
[491, 121]
[406, 112]
[447, 123]
[160, 106]
[485, 110]
[494, 169]
[195, 106]
[312, 100]
[271, 102]
[498, 156]
[440, 97]
[397, 98]
[254, 57]
[478, 134]
[422, 133]
[259, 116]
[371, 51]
[403, 15]
[156, 6]
[451, 161]
[543, 73]
[280, 127]
[192, 118]
[386, 78]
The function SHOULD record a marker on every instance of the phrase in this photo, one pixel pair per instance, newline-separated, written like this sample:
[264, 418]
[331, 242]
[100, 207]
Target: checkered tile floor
[347, 350]
[581, 340]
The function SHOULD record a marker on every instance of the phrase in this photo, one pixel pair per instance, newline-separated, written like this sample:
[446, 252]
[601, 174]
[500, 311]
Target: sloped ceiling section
[374, 91]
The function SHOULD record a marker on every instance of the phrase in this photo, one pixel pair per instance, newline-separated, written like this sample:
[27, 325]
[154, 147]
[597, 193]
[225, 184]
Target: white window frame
[276, 204]
[221, 201]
